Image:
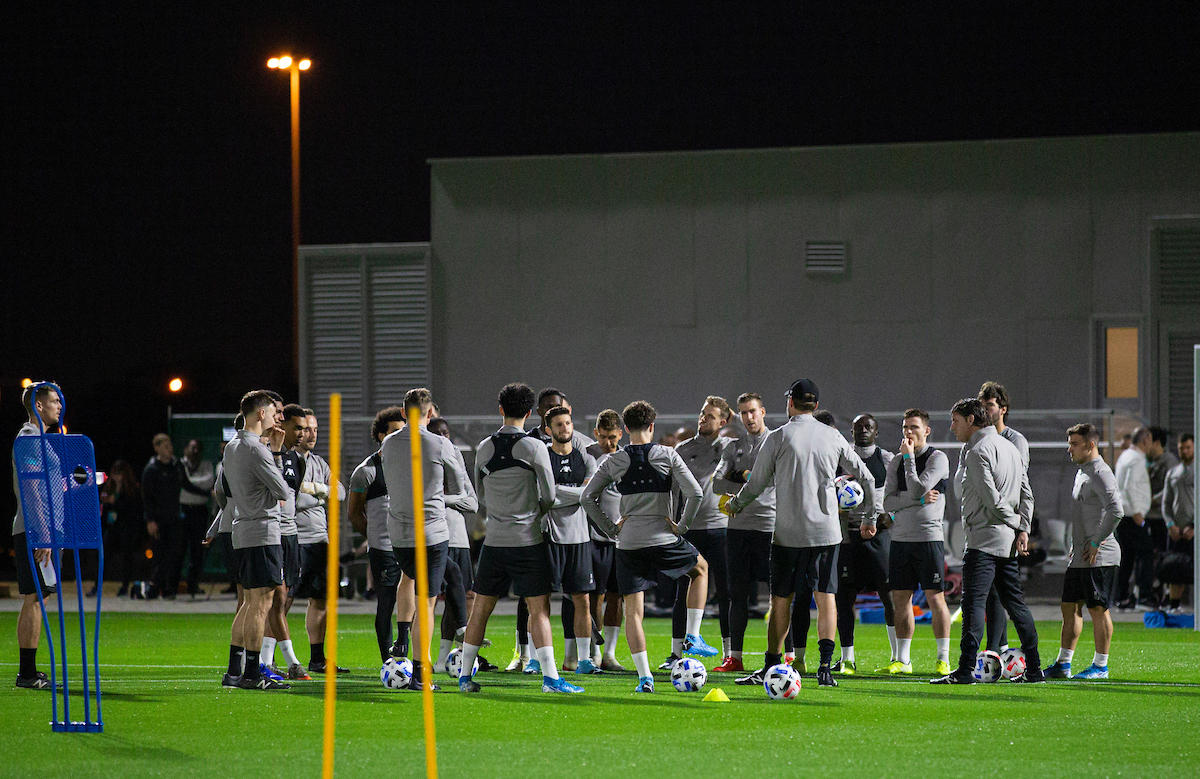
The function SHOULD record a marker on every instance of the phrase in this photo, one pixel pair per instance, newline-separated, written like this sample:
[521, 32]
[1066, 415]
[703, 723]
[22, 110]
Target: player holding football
[1095, 554]
[915, 494]
[648, 540]
[801, 459]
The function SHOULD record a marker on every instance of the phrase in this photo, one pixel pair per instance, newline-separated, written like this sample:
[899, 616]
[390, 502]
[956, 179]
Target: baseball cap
[803, 390]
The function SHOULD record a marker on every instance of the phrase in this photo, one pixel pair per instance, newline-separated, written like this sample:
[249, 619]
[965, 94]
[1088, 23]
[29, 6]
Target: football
[454, 664]
[396, 673]
[688, 675]
[1012, 663]
[987, 666]
[849, 493]
[781, 682]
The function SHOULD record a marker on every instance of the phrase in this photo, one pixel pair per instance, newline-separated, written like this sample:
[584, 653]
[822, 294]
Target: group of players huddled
[603, 523]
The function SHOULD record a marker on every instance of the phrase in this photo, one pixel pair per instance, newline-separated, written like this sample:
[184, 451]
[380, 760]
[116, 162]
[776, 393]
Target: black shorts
[462, 556]
[638, 569]
[571, 567]
[435, 564]
[917, 563]
[863, 562]
[526, 569]
[233, 557]
[314, 562]
[749, 555]
[604, 568]
[806, 568]
[25, 583]
[385, 570]
[1092, 586]
[291, 560]
[261, 566]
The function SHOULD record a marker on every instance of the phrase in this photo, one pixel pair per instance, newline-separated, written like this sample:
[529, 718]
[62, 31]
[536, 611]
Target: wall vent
[825, 258]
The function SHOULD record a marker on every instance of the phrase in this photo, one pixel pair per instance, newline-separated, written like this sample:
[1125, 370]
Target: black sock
[252, 662]
[402, 631]
[1175, 602]
[28, 663]
[771, 659]
[316, 652]
[826, 647]
[235, 660]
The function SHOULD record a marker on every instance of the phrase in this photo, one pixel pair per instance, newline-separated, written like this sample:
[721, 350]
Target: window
[1121, 362]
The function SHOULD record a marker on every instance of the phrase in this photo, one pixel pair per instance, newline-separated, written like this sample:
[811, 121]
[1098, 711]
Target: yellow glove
[723, 505]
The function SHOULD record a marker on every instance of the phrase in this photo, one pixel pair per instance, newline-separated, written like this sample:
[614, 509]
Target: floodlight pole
[295, 78]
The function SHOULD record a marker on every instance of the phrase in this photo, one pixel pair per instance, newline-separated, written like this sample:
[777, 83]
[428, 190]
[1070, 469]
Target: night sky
[146, 211]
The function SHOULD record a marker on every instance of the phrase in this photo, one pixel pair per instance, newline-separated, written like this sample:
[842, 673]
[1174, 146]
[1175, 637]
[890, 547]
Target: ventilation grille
[1180, 358]
[825, 257]
[1179, 267]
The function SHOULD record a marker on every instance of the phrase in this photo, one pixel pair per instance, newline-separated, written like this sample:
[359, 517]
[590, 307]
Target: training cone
[956, 617]
[716, 695]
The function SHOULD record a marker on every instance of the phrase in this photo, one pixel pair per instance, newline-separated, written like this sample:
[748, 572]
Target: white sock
[1065, 655]
[726, 646]
[289, 654]
[583, 648]
[470, 655]
[848, 654]
[943, 649]
[444, 652]
[267, 653]
[1003, 648]
[569, 649]
[736, 654]
[694, 618]
[677, 647]
[524, 650]
[545, 655]
[904, 650]
[611, 634]
[891, 631]
[642, 663]
[1099, 660]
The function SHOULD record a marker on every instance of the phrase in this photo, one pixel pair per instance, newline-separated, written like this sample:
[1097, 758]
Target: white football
[849, 493]
[781, 682]
[396, 673]
[688, 675]
[1012, 663]
[454, 664]
[987, 666]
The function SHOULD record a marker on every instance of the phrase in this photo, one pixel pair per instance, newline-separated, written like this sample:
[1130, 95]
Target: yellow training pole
[333, 582]
[426, 624]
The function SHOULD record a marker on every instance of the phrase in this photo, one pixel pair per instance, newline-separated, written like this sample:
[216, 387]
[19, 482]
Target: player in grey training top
[606, 602]
[1095, 555]
[915, 495]
[648, 543]
[749, 534]
[1179, 513]
[256, 489]
[801, 459]
[995, 402]
[516, 488]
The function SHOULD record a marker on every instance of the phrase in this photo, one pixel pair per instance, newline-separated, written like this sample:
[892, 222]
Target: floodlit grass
[166, 715]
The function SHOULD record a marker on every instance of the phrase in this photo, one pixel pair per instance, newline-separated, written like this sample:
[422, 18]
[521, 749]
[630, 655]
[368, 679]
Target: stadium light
[26, 383]
[294, 67]
[175, 385]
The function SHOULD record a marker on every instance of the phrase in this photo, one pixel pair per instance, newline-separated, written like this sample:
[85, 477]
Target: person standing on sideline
[1137, 548]
[993, 489]
[1179, 512]
[197, 483]
[124, 525]
[1095, 554]
[162, 483]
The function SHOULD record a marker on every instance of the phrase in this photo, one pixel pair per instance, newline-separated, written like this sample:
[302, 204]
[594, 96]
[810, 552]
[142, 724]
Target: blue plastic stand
[60, 500]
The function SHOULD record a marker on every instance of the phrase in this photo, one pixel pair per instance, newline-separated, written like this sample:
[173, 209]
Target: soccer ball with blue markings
[988, 666]
[396, 673]
[849, 493]
[781, 682]
[688, 675]
[454, 664]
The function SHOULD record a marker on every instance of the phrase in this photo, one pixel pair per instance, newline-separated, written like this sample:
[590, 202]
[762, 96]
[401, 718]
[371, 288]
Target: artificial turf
[166, 715]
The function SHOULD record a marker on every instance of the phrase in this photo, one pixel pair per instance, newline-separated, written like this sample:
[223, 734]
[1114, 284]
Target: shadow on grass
[116, 746]
[925, 693]
[1174, 692]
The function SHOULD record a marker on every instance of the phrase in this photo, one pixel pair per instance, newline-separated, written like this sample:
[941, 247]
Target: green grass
[165, 715]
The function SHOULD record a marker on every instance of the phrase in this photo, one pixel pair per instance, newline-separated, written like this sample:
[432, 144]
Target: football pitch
[166, 715]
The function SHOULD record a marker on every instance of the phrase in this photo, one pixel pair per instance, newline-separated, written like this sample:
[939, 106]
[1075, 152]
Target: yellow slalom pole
[332, 582]
[426, 624]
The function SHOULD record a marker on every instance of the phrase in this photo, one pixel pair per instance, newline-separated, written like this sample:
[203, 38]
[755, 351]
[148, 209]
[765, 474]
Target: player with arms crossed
[648, 541]
[1095, 554]
[915, 494]
[606, 603]
[801, 459]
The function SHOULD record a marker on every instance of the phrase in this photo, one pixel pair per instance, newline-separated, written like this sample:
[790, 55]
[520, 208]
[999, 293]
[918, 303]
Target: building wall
[672, 276]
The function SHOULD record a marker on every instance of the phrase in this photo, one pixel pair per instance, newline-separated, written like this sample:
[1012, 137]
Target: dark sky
[146, 192]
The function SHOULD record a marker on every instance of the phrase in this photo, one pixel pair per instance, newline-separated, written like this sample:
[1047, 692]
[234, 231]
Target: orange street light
[175, 385]
[294, 67]
[26, 383]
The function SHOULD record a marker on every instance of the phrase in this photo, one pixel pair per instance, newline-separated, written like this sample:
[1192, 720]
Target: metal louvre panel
[1179, 267]
[335, 339]
[825, 257]
[400, 330]
[1179, 381]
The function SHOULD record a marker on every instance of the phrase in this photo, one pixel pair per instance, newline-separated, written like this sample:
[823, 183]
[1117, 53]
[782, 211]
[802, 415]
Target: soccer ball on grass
[1012, 662]
[988, 666]
[781, 682]
[396, 673]
[688, 675]
[454, 664]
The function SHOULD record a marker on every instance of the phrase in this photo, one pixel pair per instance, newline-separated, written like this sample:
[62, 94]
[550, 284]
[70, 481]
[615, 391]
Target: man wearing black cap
[801, 459]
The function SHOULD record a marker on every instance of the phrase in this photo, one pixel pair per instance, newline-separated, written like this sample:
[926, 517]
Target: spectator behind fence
[1137, 550]
[197, 485]
[124, 528]
[162, 481]
[1179, 512]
